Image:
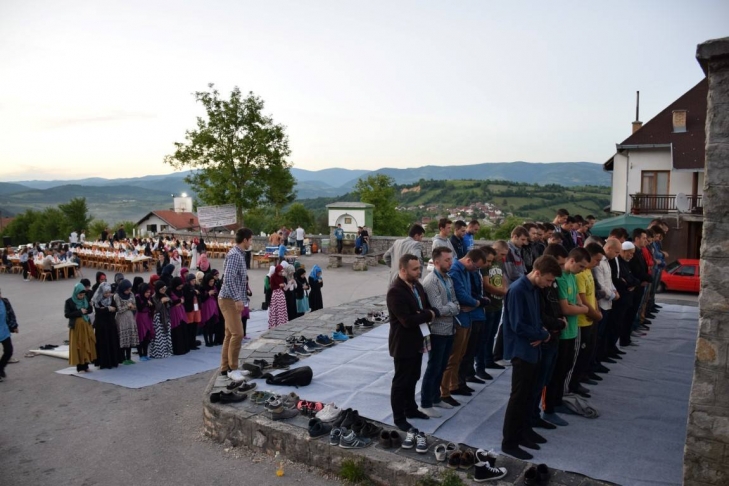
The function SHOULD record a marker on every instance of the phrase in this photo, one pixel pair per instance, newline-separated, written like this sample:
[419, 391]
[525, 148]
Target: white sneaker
[503, 362]
[329, 413]
[430, 412]
[442, 404]
[236, 375]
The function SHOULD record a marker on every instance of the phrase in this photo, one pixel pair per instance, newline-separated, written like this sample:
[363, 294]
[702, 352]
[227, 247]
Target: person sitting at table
[107, 334]
[47, 265]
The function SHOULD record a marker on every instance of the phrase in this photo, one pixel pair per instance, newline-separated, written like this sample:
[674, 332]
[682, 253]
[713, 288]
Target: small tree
[297, 214]
[379, 189]
[77, 213]
[239, 155]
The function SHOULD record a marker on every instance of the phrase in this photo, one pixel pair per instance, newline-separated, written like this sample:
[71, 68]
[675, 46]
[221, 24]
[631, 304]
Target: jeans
[517, 417]
[365, 248]
[402, 393]
[7, 353]
[340, 244]
[485, 352]
[440, 351]
[233, 335]
[547, 362]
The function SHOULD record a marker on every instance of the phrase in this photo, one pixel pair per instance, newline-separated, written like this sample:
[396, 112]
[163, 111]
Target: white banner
[214, 216]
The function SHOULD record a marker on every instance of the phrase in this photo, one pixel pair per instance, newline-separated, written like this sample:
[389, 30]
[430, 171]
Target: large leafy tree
[77, 213]
[379, 189]
[238, 155]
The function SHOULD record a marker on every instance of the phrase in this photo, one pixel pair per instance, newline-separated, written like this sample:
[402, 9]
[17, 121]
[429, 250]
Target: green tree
[76, 213]
[238, 155]
[379, 189]
[503, 232]
[95, 228]
[297, 214]
[129, 227]
[50, 224]
[19, 229]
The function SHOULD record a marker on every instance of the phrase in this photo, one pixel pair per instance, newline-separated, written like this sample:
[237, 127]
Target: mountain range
[131, 198]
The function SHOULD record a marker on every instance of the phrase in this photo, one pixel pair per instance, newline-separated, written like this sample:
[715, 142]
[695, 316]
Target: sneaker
[542, 474]
[338, 336]
[342, 416]
[440, 452]
[335, 436]
[430, 412]
[367, 429]
[323, 340]
[340, 328]
[503, 362]
[486, 469]
[318, 429]
[236, 375]
[475, 379]
[311, 347]
[242, 386]
[144, 358]
[329, 413]
[454, 459]
[284, 360]
[409, 441]
[350, 440]
[442, 404]
[351, 418]
[284, 413]
[421, 445]
[350, 331]
[299, 350]
[261, 363]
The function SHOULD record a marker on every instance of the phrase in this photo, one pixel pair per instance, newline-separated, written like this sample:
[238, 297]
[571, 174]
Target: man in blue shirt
[339, 236]
[523, 335]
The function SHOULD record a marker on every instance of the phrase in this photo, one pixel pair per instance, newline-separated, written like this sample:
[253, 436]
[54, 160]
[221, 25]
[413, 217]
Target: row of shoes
[235, 392]
[536, 475]
[303, 346]
[342, 332]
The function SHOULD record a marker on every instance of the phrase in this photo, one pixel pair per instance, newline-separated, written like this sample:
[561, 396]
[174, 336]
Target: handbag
[246, 313]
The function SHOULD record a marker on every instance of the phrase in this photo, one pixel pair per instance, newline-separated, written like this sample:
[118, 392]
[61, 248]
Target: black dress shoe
[647, 322]
[417, 414]
[579, 389]
[602, 369]
[534, 437]
[543, 424]
[588, 381]
[610, 360]
[615, 356]
[467, 388]
[450, 401]
[517, 452]
[484, 376]
[620, 352]
[461, 392]
[529, 444]
[650, 316]
[474, 379]
[531, 477]
[594, 376]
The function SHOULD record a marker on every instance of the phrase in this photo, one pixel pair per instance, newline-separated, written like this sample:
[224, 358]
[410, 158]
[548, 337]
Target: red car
[682, 275]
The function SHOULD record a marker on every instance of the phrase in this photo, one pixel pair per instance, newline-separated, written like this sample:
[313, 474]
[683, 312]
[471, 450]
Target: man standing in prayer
[406, 246]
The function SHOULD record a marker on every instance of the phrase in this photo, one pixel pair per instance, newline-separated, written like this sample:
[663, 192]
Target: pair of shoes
[254, 371]
[365, 428]
[390, 439]
[449, 401]
[430, 412]
[128, 362]
[442, 404]
[323, 340]
[349, 415]
[543, 424]
[338, 336]
[261, 363]
[485, 468]
[236, 375]
[609, 360]
[536, 475]
[532, 436]
[363, 322]
[261, 397]
[418, 415]
[348, 439]
[317, 428]
[463, 391]
[443, 451]
[227, 397]
[241, 386]
[283, 413]
[484, 376]
[495, 366]
[475, 379]
[415, 438]
[555, 419]
[286, 401]
[144, 358]
[329, 413]
[350, 331]
[298, 350]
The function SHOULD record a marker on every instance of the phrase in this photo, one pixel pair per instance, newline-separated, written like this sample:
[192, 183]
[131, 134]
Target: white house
[162, 221]
[350, 215]
[661, 159]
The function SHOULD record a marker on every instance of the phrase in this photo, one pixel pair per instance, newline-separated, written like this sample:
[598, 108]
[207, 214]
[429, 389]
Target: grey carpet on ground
[147, 373]
[638, 438]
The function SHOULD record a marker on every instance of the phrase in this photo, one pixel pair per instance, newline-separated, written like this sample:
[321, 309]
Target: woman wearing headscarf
[81, 340]
[201, 246]
[161, 344]
[301, 292]
[135, 285]
[209, 314]
[143, 318]
[178, 317]
[315, 284]
[176, 261]
[190, 292]
[100, 277]
[277, 313]
[118, 277]
[166, 275]
[203, 264]
[267, 290]
[183, 273]
[107, 334]
[126, 324]
[290, 290]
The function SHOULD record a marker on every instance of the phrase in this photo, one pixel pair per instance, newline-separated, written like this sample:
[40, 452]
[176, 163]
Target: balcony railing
[652, 204]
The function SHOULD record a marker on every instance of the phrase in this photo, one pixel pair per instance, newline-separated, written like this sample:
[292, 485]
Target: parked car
[683, 275]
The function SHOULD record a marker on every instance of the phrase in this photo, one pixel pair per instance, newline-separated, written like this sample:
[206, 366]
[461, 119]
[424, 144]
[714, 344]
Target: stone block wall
[706, 454]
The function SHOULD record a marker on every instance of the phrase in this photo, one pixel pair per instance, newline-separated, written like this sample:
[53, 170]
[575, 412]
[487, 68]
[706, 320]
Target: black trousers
[7, 353]
[516, 420]
[582, 365]
[402, 393]
[625, 322]
[555, 387]
[499, 345]
[340, 243]
[466, 369]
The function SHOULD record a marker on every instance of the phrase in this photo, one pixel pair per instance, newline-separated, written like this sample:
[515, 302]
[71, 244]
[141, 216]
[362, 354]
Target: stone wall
[706, 455]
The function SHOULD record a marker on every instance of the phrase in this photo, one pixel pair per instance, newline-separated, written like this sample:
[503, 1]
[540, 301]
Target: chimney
[637, 124]
[679, 121]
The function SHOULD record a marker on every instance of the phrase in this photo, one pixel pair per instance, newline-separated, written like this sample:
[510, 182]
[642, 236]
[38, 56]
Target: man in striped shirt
[232, 299]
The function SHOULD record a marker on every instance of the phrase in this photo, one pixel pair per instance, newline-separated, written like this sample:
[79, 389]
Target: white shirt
[73, 238]
[83, 237]
[299, 233]
[602, 274]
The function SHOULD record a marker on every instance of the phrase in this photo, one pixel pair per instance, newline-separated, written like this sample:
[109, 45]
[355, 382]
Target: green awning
[628, 221]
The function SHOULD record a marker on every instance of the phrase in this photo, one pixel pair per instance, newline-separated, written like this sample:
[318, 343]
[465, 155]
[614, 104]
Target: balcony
[652, 204]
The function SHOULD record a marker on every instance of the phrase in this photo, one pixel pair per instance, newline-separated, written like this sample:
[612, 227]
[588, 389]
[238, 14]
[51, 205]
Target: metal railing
[654, 204]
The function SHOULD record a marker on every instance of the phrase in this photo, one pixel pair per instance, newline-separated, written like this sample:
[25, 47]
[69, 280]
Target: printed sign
[214, 216]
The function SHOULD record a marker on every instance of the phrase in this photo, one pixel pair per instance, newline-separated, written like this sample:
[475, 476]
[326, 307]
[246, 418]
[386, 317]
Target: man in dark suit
[410, 312]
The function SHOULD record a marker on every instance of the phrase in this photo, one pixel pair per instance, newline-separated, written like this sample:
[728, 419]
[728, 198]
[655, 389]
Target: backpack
[297, 377]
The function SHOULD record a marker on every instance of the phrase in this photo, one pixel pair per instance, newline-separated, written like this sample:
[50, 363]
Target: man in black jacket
[625, 283]
[639, 269]
[410, 312]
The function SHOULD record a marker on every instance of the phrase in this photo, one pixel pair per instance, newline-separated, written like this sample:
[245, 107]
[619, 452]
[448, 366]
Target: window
[655, 182]
[151, 228]
[686, 271]
[347, 220]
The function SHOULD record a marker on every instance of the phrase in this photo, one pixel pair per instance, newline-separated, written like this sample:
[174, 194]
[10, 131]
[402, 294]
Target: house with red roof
[162, 221]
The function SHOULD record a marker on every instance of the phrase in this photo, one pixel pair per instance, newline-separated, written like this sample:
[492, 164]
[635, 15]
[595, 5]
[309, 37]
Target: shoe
[430, 412]
[418, 415]
[614, 356]
[385, 439]
[236, 375]
[403, 425]
[467, 459]
[261, 363]
[241, 386]
[543, 424]
[475, 379]
[245, 338]
[350, 331]
[531, 477]
[128, 362]
[366, 429]
[601, 368]
[542, 474]
[343, 415]
[340, 328]
[534, 437]
[503, 362]
[144, 358]
[495, 366]
[484, 376]
[298, 350]
[409, 441]
[555, 419]
[228, 397]
[350, 419]
[350, 440]
[421, 444]
[517, 452]
[323, 340]
[329, 413]
[338, 336]
[618, 351]
[396, 439]
[335, 436]
[318, 429]
[588, 381]
[529, 444]
[594, 376]
[467, 388]
[311, 347]
[440, 452]
[283, 360]
[609, 360]
[260, 397]
[461, 392]
[364, 322]
[485, 468]
[454, 459]
[442, 404]
[449, 401]
[650, 316]
[647, 322]
[284, 413]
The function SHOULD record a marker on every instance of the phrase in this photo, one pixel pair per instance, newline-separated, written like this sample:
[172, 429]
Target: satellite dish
[682, 202]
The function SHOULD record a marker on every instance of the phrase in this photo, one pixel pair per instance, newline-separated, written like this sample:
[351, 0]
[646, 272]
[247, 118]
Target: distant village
[488, 214]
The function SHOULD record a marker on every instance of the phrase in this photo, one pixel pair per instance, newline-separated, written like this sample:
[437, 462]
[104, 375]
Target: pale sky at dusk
[93, 88]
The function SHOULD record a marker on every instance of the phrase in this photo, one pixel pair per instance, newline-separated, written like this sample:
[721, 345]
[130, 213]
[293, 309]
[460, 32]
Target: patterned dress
[161, 345]
[277, 313]
[126, 324]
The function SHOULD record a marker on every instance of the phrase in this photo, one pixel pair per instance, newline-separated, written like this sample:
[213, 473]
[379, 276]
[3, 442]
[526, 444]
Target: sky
[104, 89]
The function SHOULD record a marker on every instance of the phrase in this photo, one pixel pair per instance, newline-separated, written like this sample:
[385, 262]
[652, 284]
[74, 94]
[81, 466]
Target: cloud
[111, 116]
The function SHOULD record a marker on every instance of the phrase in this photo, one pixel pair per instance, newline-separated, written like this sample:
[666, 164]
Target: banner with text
[214, 216]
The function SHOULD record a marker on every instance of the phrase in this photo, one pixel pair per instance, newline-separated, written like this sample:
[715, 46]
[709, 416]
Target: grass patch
[447, 478]
[353, 472]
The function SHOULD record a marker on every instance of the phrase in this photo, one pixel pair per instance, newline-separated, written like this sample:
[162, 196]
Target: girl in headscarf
[290, 291]
[178, 318]
[267, 290]
[145, 328]
[183, 274]
[277, 313]
[166, 275]
[209, 308]
[176, 261]
[161, 344]
[302, 297]
[81, 340]
[201, 246]
[135, 285]
[203, 264]
[315, 284]
[107, 334]
[100, 277]
[190, 292]
[118, 277]
[126, 324]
